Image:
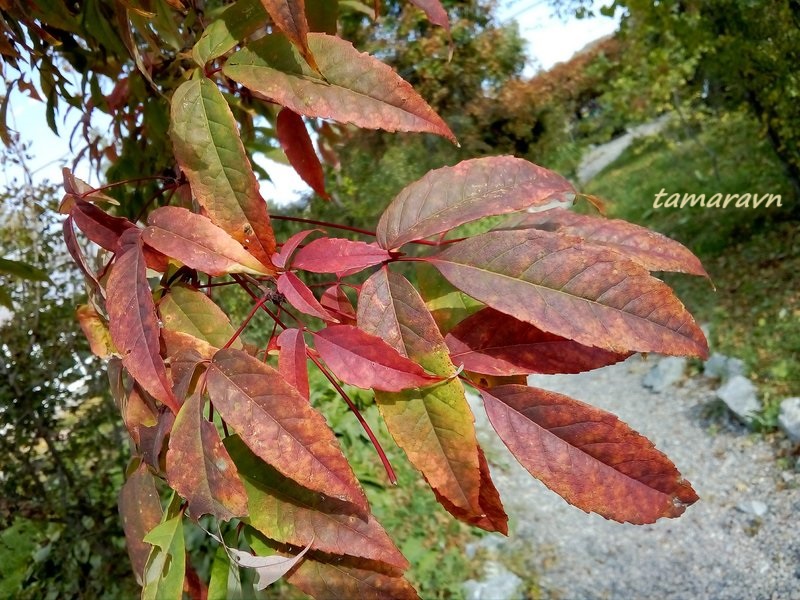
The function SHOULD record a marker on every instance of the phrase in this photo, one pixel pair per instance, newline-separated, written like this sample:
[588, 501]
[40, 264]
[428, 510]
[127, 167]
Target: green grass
[752, 255]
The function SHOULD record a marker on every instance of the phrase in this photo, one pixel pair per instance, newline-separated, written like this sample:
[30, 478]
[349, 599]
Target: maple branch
[378, 448]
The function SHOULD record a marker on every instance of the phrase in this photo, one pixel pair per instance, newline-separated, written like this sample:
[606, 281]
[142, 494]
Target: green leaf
[226, 582]
[448, 305]
[166, 566]
[23, 270]
[5, 298]
[350, 87]
[211, 154]
[433, 425]
[190, 311]
[237, 22]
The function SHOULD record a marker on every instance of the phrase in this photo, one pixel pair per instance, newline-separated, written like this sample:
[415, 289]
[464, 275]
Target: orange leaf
[199, 468]
[280, 426]
[290, 17]
[587, 456]
[590, 294]
[132, 320]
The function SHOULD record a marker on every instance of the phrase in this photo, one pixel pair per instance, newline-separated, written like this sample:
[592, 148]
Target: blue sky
[550, 40]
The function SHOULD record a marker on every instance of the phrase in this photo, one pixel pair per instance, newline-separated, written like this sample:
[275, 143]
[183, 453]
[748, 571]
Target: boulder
[739, 395]
[498, 584]
[789, 418]
[719, 366]
[665, 373]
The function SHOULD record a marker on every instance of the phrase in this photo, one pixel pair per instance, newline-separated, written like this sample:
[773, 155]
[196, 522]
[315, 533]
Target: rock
[719, 366]
[498, 584]
[753, 507]
[789, 418]
[666, 372]
[739, 394]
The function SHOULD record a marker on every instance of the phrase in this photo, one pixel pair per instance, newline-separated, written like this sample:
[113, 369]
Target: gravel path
[723, 547]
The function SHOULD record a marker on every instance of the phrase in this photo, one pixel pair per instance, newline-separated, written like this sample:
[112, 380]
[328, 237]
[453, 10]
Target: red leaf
[338, 255]
[140, 509]
[470, 190]
[74, 249]
[302, 298]
[350, 579]
[366, 361]
[494, 343]
[587, 293]
[350, 86]
[100, 227]
[199, 244]
[280, 426]
[296, 143]
[587, 456]
[292, 360]
[199, 468]
[335, 300]
[491, 516]
[280, 259]
[291, 514]
[434, 425]
[137, 410]
[654, 251]
[133, 322]
[434, 11]
[290, 18]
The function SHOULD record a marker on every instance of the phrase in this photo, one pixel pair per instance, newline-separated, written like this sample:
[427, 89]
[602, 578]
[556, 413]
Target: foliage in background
[751, 255]
[63, 451]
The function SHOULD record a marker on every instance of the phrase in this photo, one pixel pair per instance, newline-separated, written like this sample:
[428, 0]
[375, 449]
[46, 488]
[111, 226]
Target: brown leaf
[199, 244]
[286, 512]
[472, 189]
[587, 456]
[199, 468]
[210, 152]
[133, 322]
[494, 343]
[652, 250]
[434, 425]
[366, 361]
[349, 580]
[140, 509]
[296, 143]
[350, 87]
[100, 227]
[290, 17]
[587, 293]
[280, 426]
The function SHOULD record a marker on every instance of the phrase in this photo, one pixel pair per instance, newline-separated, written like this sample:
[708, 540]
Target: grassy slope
[752, 255]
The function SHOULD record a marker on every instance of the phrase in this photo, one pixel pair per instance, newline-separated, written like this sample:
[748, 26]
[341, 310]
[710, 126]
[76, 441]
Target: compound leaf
[199, 468]
[211, 154]
[288, 513]
[587, 456]
[366, 361]
[280, 426]
[470, 190]
[495, 343]
[590, 294]
[350, 87]
[199, 244]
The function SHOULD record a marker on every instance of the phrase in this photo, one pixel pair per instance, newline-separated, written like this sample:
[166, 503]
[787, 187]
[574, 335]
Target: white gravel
[719, 549]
